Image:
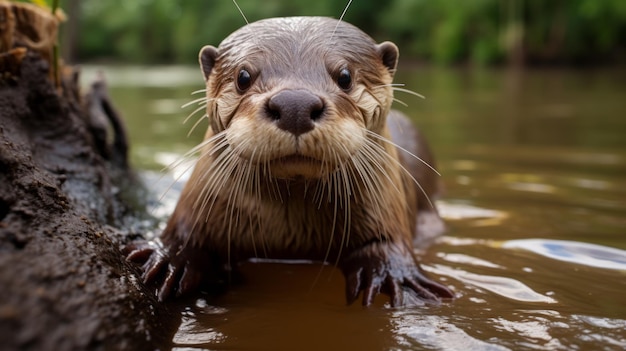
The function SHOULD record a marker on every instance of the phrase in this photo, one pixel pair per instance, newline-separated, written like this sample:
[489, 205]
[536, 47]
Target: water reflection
[434, 332]
[192, 333]
[574, 252]
[503, 286]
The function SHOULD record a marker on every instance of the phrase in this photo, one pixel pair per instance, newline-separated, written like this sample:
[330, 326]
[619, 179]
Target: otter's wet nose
[295, 110]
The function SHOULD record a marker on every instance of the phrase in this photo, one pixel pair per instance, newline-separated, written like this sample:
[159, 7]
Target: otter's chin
[298, 167]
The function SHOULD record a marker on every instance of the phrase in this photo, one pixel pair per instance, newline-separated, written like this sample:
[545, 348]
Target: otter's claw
[381, 268]
[170, 272]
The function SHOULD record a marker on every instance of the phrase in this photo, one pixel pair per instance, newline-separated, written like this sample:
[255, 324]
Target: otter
[303, 158]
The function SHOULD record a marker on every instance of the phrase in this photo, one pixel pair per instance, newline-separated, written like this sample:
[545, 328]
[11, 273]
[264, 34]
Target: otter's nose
[295, 110]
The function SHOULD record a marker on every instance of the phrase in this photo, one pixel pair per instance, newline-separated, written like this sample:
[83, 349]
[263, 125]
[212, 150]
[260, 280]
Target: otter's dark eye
[344, 80]
[244, 80]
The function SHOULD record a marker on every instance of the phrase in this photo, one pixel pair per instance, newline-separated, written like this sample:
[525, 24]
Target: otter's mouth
[297, 166]
[295, 159]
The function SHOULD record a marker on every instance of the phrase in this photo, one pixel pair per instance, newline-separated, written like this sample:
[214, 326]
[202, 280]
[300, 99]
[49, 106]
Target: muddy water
[534, 165]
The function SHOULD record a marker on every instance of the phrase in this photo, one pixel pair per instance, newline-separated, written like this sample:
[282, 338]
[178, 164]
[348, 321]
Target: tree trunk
[64, 283]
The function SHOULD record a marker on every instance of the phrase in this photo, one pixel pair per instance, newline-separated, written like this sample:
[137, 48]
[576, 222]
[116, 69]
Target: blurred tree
[443, 31]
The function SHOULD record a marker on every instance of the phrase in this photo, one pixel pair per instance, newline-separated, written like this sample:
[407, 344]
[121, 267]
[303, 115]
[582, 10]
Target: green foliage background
[440, 31]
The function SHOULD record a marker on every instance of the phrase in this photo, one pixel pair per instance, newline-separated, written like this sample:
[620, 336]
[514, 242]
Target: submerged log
[64, 212]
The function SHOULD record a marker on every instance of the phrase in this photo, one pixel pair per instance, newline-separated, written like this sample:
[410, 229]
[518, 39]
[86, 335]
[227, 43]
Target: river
[534, 166]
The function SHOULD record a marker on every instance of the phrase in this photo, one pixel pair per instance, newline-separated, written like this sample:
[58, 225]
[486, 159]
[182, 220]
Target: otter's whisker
[214, 179]
[198, 91]
[332, 188]
[207, 192]
[275, 187]
[251, 178]
[181, 160]
[371, 179]
[317, 194]
[380, 86]
[346, 196]
[343, 14]
[203, 107]
[203, 104]
[197, 124]
[319, 188]
[233, 200]
[340, 19]
[355, 175]
[337, 204]
[229, 219]
[257, 176]
[220, 173]
[401, 102]
[219, 147]
[241, 12]
[306, 188]
[360, 168]
[366, 158]
[200, 101]
[199, 119]
[372, 147]
[190, 153]
[399, 164]
[409, 92]
[170, 167]
[324, 182]
[265, 163]
[381, 138]
[176, 180]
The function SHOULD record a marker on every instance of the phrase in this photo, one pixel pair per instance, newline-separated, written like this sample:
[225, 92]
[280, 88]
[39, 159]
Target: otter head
[298, 96]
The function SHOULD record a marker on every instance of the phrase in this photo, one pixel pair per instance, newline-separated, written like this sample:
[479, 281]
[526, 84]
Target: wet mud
[66, 207]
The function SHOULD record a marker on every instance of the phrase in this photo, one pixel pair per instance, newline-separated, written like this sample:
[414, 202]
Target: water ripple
[507, 287]
[573, 251]
[415, 331]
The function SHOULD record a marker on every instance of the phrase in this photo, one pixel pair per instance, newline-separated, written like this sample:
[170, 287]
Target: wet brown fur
[288, 222]
[347, 198]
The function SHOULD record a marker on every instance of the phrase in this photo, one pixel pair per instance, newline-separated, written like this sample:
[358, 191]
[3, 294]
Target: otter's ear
[389, 53]
[208, 55]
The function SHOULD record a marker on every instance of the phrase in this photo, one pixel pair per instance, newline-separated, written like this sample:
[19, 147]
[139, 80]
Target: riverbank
[65, 209]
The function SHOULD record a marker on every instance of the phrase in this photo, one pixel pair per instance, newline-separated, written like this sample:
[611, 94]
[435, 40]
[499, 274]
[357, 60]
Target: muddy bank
[64, 211]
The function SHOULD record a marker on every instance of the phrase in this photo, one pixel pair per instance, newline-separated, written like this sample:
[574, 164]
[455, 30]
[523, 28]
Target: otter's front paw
[392, 270]
[172, 269]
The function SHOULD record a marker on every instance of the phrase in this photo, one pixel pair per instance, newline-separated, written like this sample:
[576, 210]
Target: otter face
[298, 96]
